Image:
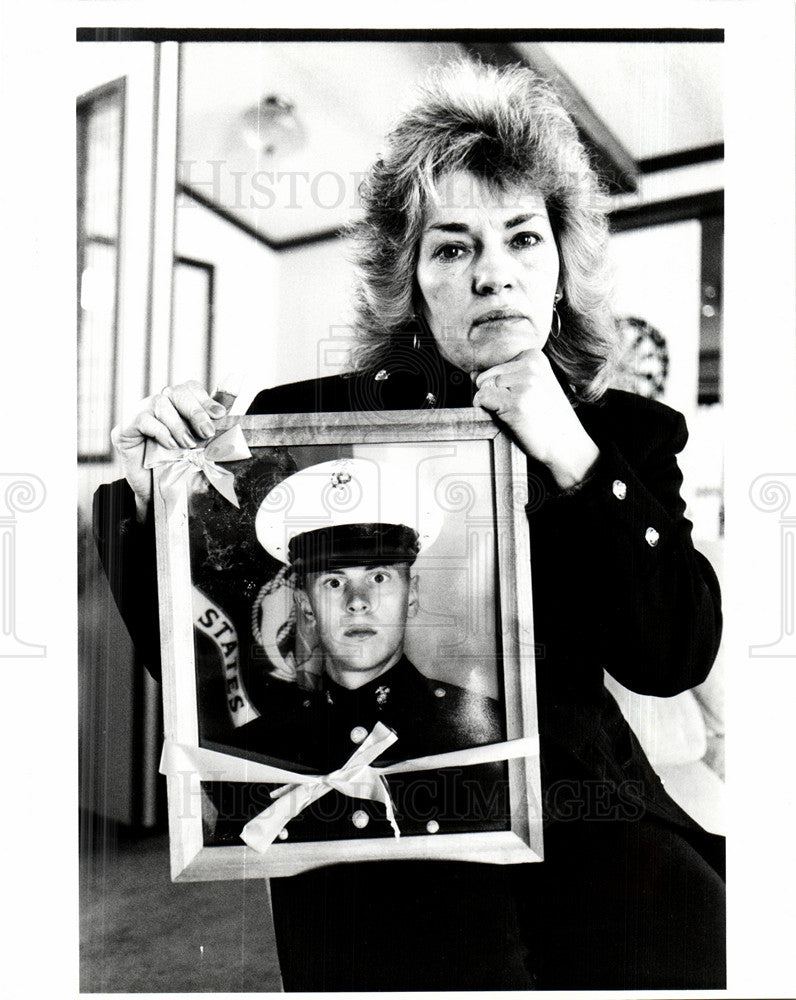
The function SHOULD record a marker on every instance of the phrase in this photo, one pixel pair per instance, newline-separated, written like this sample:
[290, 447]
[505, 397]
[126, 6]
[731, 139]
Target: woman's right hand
[180, 416]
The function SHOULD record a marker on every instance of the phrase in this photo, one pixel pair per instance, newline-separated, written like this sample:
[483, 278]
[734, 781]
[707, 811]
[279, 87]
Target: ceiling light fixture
[272, 128]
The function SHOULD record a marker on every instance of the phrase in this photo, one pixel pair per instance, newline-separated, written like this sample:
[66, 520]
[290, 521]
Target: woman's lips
[498, 316]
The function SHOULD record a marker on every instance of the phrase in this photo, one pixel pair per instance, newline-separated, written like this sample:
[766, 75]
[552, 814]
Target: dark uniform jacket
[319, 730]
[617, 585]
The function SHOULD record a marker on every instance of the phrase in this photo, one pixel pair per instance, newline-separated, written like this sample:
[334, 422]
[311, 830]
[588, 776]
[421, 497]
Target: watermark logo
[773, 494]
[214, 181]
[20, 492]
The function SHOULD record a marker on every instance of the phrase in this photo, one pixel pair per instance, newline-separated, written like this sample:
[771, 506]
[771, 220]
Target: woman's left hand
[526, 396]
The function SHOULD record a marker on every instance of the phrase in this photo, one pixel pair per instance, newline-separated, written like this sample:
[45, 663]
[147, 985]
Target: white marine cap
[349, 512]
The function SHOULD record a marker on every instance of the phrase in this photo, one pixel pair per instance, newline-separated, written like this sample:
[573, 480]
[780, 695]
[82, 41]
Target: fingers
[496, 386]
[491, 397]
[185, 411]
[193, 407]
[528, 361]
[504, 388]
[150, 425]
[213, 407]
[501, 380]
[185, 419]
[179, 417]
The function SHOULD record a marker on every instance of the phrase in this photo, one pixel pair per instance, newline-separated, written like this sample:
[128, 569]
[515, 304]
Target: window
[100, 129]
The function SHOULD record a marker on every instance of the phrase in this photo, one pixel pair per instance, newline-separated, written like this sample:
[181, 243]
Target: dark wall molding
[659, 213]
[683, 158]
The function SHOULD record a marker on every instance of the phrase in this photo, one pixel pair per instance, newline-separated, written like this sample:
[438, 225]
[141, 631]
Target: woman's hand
[180, 416]
[525, 394]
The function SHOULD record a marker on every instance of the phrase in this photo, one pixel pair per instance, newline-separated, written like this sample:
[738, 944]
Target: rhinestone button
[432, 826]
[358, 734]
[620, 489]
[360, 819]
[440, 692]
[431, 399]
[651, 536]
[282, 835]
[382, 375]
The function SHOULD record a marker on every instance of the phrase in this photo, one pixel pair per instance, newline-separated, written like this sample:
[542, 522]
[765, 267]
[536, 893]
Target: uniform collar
[378, 692]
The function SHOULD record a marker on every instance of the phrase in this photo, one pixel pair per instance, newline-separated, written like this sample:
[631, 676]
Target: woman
[483, 282]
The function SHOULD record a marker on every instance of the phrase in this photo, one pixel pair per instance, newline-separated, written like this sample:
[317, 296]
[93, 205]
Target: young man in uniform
[362, 529]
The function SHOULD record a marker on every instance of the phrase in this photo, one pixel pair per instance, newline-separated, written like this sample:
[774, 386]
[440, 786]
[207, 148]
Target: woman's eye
[523, 240]
[332, 583]
[449, 252]
[379, 577]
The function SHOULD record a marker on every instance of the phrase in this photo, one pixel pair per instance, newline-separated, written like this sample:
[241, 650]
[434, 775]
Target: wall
[315, 284]
[657, 280]
[245, 338]
[278, 316]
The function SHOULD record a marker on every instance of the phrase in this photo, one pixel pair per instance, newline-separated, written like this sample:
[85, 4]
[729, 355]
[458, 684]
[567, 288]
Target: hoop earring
[555, 327]
[422, 332]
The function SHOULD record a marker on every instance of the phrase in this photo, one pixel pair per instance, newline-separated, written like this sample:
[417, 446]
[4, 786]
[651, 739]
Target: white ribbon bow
[186, 464]
[356, 778]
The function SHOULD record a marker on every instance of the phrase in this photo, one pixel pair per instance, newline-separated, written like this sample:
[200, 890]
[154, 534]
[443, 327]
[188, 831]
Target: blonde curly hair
[507, 127]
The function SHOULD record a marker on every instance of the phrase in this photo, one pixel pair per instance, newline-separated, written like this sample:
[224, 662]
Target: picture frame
[477, 582]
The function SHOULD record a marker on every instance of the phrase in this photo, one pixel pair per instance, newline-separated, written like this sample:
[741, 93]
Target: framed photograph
[347, 644]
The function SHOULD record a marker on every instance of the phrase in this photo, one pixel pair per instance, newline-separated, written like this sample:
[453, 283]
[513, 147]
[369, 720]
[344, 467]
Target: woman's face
[487, 271]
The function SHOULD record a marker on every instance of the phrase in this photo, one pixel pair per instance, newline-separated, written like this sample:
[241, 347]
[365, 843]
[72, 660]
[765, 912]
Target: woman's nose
[493, 271]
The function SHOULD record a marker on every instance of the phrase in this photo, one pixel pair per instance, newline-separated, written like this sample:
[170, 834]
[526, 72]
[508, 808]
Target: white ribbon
[356, 778]
[186, 464]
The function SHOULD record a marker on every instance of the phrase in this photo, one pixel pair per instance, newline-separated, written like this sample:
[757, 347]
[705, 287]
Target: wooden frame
[504, 474]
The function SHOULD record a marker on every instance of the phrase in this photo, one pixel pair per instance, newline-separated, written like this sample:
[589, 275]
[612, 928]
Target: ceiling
[647, 100]
[656, 98]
